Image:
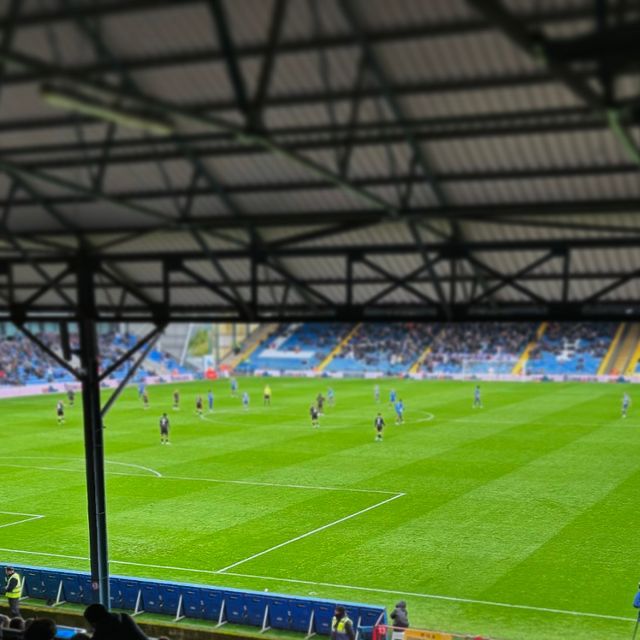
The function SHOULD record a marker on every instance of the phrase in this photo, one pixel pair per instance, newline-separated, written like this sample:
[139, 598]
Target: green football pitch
[518, 520]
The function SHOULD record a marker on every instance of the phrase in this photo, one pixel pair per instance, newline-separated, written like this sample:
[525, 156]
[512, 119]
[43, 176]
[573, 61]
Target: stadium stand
[23, 363]
[576, 348]
[390, 348]
[482, 347]
[295, 347]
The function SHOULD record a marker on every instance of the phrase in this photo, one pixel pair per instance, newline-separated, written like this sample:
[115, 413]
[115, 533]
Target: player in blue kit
[234, 387]
[392, 397]
[210, 400]
[245, 401]
[626, 403]
[331, 396]
[477, 400]
[399, 407]
[376, 393]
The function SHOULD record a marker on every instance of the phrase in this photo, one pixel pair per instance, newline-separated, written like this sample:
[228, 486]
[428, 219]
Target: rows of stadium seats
[470, 348]
[296, 347]
[387, 347]
[482, 348]
[23, 363]
[576, 348]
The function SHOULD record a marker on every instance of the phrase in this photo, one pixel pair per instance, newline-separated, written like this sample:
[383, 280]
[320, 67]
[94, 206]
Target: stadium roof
[345, 159]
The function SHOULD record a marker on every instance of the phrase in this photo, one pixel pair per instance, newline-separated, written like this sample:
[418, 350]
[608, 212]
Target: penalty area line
[31, 518]
[310, 533]
[331, 585]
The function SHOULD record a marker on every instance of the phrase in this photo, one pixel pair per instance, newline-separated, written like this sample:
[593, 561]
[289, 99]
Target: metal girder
[50, 352]
[415, 277]
[537, 46]
[225, 39]
[260, 98]
[621, 310]
[290, 46]
[146, 345]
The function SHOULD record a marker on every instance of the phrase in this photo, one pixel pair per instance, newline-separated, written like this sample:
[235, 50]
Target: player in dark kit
[379, 425]
[176, 400]
[145, 400]
[71, 396]
[199, 406]
[320, 403]
[164, 429]
[313, 411]
[60, 411]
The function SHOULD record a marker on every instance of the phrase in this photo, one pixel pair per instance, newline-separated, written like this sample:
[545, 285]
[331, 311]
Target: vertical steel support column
[93, 434]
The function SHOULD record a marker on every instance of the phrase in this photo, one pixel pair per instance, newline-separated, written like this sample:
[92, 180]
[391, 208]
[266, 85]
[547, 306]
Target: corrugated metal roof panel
[166, 29]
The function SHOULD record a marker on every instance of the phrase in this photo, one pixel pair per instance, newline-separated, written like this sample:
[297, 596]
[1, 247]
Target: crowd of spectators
[23, 362]
[102, 625]
[389, 346]
[581, 345]
[456, 343]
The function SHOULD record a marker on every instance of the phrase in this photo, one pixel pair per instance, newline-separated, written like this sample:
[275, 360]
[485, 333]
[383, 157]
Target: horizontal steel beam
[292, 45]
[580, 171]
[447, 249]
[608, 274]
[628, 310]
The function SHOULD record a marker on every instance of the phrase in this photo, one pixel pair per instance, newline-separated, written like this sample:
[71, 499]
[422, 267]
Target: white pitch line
[430, 416]
[412, 594]
[310, 533]
[285, 486]
[213, 480]
[11, 524]
[431, 596]
[123, 464]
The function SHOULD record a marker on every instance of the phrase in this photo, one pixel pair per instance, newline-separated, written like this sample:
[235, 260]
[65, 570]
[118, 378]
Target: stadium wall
[13, 391]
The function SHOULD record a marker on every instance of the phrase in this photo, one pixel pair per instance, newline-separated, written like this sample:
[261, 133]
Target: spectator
[17, 623]
[112, 626]
[41, 629]
[400, 616]
[4, 621]
[82, 636]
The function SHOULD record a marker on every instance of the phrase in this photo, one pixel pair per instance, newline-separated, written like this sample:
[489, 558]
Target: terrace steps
[415, 367]
[611, 358]
[336, 350]
[622, 362]
[524, 356]
[253, 341]
[633, 362]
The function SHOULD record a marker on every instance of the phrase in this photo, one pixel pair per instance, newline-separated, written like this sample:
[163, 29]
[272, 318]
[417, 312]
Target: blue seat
[369, 617]
[212, 603]
[300, 615]
[152, 598]
[193, 603]
[322, 618]
[124, 593]
[280, 615]
[255, 606]
[34, 580]
[236, 607]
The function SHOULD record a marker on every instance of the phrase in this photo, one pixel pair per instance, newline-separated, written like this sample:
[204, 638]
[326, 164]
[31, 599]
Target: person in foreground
[112, 626]
[341, 625]
[41, 629]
